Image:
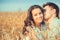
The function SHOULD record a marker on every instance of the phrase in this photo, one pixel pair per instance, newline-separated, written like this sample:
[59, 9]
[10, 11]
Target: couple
[35, 29]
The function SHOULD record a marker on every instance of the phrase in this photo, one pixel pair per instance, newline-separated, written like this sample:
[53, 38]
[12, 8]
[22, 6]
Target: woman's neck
[38, 25]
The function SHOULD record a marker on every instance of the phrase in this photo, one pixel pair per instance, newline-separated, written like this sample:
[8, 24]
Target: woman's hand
[31, 33]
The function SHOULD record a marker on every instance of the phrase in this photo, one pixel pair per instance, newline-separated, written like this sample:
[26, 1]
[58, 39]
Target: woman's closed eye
[35, 14]
[40, 13]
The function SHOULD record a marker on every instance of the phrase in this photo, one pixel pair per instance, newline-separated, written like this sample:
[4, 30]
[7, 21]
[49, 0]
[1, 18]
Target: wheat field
[11, 24]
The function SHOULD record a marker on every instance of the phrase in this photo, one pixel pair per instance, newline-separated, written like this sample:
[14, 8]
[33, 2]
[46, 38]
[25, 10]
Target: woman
[33, 29]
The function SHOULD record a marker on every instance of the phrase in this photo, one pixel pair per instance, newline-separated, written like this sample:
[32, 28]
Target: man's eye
[39, 13]
[44, 10]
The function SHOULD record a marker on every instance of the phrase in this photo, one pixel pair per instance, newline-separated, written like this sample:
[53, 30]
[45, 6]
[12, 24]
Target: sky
[16, 5]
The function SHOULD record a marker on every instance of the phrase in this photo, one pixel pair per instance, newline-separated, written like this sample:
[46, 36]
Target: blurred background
[13, 14]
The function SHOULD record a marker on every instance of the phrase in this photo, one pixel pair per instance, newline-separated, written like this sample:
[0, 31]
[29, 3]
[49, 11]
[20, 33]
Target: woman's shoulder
[28, 28]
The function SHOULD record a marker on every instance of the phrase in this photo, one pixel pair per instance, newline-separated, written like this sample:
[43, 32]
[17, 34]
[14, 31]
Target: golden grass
[11, 24]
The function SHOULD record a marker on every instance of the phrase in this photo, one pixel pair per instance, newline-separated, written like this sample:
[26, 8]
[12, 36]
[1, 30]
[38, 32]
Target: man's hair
[53, 5]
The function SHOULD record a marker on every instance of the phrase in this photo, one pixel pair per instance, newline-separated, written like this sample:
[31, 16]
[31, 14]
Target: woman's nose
[41, 15]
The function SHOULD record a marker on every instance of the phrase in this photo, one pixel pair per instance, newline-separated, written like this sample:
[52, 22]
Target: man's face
[47, 12]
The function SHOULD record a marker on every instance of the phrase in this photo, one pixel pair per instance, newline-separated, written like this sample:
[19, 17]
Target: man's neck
[50, 19]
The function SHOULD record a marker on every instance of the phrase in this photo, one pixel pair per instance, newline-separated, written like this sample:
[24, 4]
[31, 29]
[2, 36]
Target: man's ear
[54, 11]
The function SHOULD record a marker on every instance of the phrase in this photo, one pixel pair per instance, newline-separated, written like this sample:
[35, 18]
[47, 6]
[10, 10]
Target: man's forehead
[46, 7]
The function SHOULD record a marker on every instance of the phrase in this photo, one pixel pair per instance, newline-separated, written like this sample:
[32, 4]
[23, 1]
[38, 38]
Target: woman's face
[37, 15]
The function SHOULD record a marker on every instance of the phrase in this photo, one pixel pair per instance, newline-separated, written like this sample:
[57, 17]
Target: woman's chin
[39, 21]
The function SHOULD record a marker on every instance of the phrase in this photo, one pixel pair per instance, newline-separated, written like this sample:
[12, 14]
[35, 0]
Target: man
[51, 12]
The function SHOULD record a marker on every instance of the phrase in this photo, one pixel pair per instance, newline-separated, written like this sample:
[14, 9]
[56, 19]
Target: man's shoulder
[56, 21]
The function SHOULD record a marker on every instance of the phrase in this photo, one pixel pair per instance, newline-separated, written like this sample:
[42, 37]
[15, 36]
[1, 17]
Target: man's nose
[44, 13]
